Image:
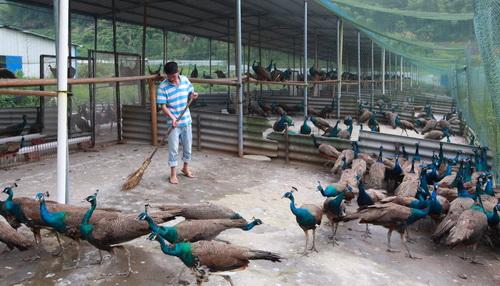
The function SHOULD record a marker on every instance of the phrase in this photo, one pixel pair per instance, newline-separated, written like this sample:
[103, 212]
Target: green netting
[430, 15]
[457, 41]
[484, 110]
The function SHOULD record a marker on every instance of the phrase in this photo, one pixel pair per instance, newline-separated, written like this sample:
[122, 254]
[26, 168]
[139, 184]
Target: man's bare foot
[187, 173]
[173, 180]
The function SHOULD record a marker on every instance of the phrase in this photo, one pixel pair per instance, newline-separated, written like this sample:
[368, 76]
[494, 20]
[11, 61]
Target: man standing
[173, 94]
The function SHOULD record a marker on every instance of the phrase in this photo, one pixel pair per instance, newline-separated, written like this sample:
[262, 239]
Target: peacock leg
[367, 233]
[307, 240]
[389, 249]
[129, 267]
[61, 248]
[100, 259]
[313, 248]
[335, 226]
[77, 258]
[37, 236]
[408, 237]
[228, 279]
[403, 241]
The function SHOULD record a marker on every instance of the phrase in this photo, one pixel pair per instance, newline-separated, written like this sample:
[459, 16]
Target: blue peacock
[308, 216]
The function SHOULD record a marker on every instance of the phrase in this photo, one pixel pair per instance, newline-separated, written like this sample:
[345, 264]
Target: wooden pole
[154, 119]
[117, 73]
[143, 52]
[287, 145]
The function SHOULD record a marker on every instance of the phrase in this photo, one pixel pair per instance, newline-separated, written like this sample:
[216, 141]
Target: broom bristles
[135, 178]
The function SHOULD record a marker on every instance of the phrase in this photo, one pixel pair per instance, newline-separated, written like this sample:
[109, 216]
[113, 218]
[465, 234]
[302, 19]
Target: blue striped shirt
[176, 99]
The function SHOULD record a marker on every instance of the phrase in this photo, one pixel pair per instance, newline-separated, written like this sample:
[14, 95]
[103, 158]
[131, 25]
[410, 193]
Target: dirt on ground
[252, 188]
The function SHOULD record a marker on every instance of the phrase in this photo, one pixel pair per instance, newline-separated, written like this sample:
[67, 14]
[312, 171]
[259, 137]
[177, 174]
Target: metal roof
[281, 22]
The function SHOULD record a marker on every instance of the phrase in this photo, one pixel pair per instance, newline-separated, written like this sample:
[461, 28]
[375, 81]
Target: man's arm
[169, 114]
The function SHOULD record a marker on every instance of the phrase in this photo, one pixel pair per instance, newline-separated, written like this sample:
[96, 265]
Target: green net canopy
[457, 41]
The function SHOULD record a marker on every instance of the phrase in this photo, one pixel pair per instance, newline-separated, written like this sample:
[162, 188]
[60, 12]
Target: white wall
[29, 47]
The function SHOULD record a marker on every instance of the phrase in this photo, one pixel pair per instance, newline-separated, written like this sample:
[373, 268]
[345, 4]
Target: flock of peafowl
[456, 193]
[193, 240]
[424, 123]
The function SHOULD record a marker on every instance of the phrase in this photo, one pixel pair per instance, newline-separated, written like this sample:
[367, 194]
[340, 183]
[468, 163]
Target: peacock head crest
[8, 190]
[144, 215]
[41, 196]
[319, 188]
[92, 198]
[289, 195]
[256, 221]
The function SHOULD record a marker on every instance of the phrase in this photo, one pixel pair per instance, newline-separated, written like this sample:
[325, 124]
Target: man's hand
[174, 123]
[194, 95]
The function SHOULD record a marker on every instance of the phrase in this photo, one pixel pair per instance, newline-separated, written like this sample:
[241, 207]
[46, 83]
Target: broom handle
[178, 118]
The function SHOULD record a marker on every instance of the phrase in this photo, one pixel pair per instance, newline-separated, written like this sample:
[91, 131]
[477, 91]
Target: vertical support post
[401, 75]
[198, 132]
[359, 67]
[117, 73]
[382, 61]
[154, 119]
[93, 87]
[411, 75]
[287, 145]
[260, 52]
[390, 76]
[292, 76]
[340, 40]
[305, 58]
[228, 54]
[239, 87]
[143, 52]
[165, 45]
[210, 63]
[62, 10]
[316, 43]
[373, 79]
[248, 62]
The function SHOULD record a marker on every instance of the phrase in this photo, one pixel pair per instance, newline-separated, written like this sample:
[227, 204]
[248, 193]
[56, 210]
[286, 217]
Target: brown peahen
[195, 230]
[14, 239]
[392, 216]
[200, 211]
[113, 229]
[207, 257]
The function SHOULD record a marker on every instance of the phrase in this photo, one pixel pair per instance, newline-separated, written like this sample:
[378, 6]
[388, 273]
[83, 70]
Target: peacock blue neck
[293, 208]
[55, 220]
[335, 203]
[85, 227]
[181, 250]
[363, 198]
[493, 217]
[489, 187]
[250, 225]
[417, 214]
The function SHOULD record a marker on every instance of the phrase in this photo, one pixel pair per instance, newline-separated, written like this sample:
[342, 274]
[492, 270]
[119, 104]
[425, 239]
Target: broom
[135, 178]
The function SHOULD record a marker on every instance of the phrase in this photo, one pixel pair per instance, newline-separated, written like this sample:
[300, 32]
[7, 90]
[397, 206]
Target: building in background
[20, 51]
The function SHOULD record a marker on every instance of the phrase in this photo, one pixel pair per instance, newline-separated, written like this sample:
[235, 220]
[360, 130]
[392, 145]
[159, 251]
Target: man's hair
[170, 68]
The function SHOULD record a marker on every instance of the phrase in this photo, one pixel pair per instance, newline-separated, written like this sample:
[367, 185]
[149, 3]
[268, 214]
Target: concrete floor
[250, 187]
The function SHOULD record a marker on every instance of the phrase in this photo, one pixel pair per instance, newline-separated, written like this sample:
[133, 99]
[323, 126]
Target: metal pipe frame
[382, 62]
[62, 20]
[239, 88]
[305, 58]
